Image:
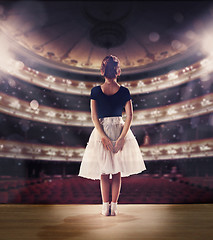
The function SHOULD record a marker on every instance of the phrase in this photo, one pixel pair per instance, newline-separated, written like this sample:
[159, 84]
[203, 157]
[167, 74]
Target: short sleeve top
[110, 105]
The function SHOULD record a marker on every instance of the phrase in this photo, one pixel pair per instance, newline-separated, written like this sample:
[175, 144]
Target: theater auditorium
[50, 59]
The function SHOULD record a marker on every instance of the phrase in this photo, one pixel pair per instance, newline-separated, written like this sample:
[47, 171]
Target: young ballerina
[112, 151]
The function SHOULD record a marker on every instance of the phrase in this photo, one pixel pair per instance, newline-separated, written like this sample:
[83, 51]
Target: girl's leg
[116, 186]
[105, 186]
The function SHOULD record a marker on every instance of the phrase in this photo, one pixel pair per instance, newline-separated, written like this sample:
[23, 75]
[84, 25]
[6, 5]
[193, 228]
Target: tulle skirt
[97, 160]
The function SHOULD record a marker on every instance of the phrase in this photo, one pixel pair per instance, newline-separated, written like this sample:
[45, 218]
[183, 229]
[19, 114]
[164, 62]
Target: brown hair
[110, 67]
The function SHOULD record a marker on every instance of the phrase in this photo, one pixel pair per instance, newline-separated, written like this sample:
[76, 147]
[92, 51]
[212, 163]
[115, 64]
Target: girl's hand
[107, 143]
[119, 145]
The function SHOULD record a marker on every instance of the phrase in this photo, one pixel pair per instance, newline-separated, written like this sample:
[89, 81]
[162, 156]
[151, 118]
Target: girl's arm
[104, 139]
[129, 115]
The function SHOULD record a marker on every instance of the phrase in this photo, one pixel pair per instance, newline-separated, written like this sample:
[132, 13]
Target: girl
[112, 151]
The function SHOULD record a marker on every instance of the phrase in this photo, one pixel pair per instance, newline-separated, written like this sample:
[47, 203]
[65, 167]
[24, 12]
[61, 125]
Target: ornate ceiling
[79, 34]
[74, 36]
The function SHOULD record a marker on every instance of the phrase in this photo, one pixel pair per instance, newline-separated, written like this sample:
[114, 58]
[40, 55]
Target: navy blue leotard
[110, 105]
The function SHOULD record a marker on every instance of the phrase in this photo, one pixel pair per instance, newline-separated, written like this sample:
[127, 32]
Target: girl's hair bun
[110, 66]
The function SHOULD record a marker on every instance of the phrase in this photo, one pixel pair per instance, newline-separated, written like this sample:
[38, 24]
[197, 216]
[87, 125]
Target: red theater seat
[135, 189]
[3, 197]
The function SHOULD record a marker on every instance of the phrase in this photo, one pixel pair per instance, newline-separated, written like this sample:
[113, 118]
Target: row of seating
[7, 184]
[75, 190]
[206, 182]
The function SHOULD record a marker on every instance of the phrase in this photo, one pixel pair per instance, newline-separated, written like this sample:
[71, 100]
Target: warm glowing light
[82, 118]
[172, 75]
[140, 84]
[207, 43]
[176, 45]
[207, 64]
[5, 55]
[171, 111]
[51, 114]
[15, 104]
[159, 152]
[19, 65]
[204, 62]
[171, 151]
[50, 78]
[156, 113]
[68, 82]
[34, 104]
[51, 152]
[81, 85]
[187, 107]
[156, 80]
[140, 116]
[204, 147]
[205, 102]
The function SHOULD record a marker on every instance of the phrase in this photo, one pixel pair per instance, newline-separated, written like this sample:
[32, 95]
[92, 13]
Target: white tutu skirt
[97, 160]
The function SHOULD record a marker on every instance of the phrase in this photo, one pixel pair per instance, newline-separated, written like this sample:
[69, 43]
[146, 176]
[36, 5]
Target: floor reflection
[82, 224]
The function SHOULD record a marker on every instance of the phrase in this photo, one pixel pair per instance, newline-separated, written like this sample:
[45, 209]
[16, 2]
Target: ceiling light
[154, 36]
[176, 45]
[172, 75]
[34, 104]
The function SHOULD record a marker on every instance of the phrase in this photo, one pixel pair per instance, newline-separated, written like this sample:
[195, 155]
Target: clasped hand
[109, 146]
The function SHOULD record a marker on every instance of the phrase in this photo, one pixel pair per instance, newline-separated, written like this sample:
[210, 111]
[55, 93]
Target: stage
[144, 221]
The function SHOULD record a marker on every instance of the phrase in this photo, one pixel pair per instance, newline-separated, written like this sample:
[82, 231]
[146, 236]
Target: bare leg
[105, 186]
[116, 186]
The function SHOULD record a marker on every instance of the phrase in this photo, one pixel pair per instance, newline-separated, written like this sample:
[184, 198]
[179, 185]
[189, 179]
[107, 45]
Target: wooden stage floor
[144, 221]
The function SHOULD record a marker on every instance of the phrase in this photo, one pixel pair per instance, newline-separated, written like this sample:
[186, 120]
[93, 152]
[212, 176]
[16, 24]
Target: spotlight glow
[19, 65]
[5, 55]
[207, 43]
